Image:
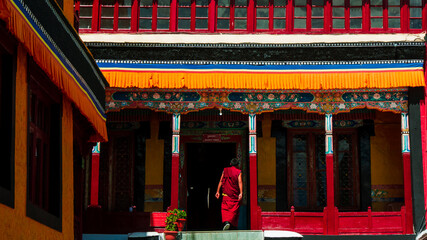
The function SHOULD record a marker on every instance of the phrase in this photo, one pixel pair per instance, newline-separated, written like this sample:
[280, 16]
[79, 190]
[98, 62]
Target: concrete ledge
[279, 235]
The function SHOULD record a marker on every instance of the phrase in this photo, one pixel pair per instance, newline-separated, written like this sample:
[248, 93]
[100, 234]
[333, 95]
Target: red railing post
[292, 221]
[369, 219]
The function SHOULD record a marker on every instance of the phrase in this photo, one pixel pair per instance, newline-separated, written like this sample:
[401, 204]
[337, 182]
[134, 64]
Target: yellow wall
[154, 168]
[386, 161]
[267, 167]
[14, 224]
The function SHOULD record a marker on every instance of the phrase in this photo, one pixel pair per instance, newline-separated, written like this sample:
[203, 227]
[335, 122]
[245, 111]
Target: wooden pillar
[94, 178]
[176, 123]
[330, 193]
[407, 182]
[253, 176]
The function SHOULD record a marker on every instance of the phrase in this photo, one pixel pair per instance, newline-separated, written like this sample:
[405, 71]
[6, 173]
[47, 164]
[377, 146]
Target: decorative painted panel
[184, 101]
[321, 124]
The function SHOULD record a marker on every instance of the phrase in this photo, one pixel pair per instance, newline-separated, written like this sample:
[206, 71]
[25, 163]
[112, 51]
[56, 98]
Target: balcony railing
[344, 222]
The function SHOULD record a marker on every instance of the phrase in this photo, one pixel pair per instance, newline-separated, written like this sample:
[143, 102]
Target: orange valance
[45, 54]
[268, 81]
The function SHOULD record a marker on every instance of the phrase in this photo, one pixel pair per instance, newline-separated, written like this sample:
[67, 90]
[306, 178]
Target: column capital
[329, 143]
[406, 147]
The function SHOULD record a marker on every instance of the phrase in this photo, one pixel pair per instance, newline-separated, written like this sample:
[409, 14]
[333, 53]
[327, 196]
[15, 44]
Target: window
[232, 15]
[363, 16]
[347, 14]
[271, 14]
[377, 16]
[393, 14]
[385, 14]
[44, 150]
[307, 168]
[7, 119]
[346, 176]
[84, 7]
[309, 14]
[154, 15]
[307, 163]
[115, 14]
[193, 15]
[415, 14]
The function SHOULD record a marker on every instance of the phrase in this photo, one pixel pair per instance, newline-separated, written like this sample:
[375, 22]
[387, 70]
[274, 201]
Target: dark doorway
[205, 162]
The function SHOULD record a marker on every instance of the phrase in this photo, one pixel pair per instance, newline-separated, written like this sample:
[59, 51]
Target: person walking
[232, 190]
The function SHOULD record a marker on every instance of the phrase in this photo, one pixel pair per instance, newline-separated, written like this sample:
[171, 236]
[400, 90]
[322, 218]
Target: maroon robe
[230, 200]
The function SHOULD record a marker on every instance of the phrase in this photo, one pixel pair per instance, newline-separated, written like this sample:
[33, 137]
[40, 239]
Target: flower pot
[180, 223]
[170, 235]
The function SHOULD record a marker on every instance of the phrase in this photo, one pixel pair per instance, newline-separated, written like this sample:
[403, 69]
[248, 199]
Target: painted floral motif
[321, 102]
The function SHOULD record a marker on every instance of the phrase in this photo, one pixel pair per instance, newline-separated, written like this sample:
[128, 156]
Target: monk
[231, 183]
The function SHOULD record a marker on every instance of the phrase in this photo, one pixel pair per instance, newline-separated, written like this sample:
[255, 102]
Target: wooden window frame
[355, 166]
[311, 181]
[252, 18]
[408, 16]
[7, 114]
[271, 7]
[44, 174]
[347, 18]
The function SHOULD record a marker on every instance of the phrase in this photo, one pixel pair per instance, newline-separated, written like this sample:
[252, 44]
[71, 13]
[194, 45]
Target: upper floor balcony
[252, 16]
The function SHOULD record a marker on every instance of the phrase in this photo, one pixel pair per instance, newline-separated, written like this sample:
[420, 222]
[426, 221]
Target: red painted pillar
[330, 189]
[423, 115]
[94, 179]
[253, 173]
[407, 182]
[176, 122]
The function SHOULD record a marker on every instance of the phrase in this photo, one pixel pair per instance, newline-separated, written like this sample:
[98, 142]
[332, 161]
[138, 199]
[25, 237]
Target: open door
[205, 163]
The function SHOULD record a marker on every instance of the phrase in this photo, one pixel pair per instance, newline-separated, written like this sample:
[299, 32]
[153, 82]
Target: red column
[253, 184]
[253, 173]
[423, 115]
[94, 180]
[174, 180]
[176, 123]
[407, 181]
[330, 191]
[330, 195]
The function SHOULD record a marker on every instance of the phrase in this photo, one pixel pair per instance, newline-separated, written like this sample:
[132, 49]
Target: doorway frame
[226, 137]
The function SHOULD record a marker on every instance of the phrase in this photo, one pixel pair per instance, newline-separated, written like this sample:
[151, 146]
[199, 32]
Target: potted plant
[182, 218]
[171, 229]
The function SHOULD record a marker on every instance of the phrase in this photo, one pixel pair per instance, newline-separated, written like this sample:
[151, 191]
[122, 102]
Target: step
[222, 235]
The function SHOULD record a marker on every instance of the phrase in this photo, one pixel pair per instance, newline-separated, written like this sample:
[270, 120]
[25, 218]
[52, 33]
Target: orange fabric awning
[287, 76]
[46, 54]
